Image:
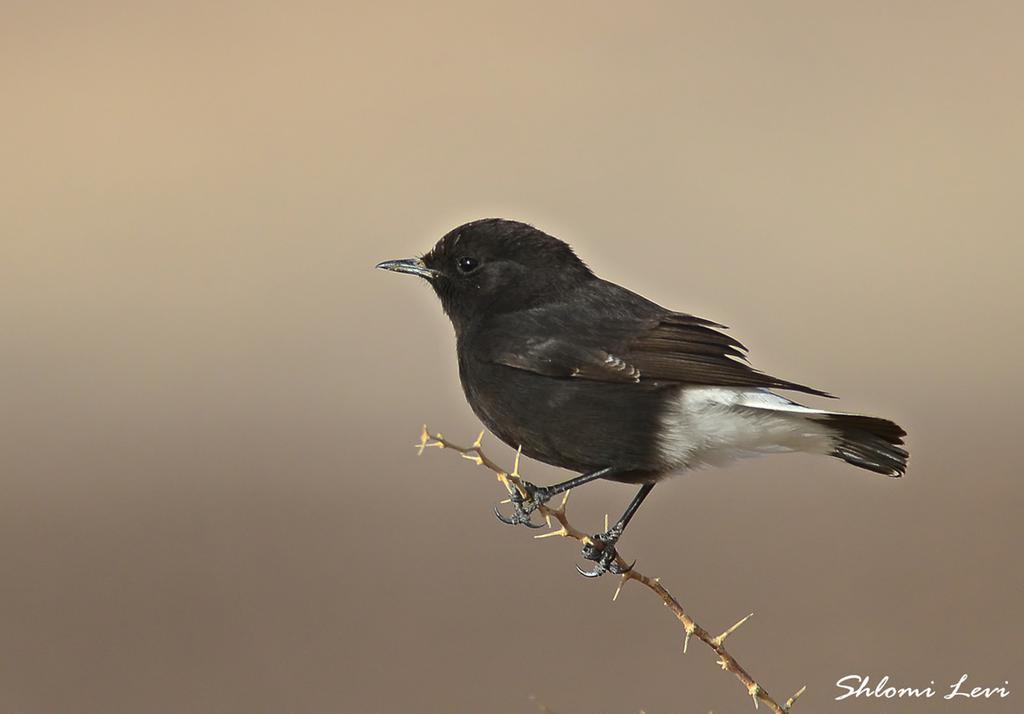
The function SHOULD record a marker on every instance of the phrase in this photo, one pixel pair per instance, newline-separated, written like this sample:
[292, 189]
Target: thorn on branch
[475, 458]
[754, 690]
[717, 642]
[424, 438]
[626, 577]
[426, 443]
[690, 627]
[792, 700]
[561, 532]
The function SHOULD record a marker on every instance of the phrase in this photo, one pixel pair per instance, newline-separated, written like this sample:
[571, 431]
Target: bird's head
[492, 266]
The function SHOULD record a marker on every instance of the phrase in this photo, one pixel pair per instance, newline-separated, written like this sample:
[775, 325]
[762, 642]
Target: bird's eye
[467, 264]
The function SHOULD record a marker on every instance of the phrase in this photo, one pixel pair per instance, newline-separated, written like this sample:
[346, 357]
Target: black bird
[588, 376]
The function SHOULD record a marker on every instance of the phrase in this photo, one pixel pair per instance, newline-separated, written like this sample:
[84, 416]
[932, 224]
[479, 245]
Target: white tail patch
[714, 425]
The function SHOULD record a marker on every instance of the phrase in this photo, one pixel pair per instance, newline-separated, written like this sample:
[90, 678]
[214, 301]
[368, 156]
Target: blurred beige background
[208, 497]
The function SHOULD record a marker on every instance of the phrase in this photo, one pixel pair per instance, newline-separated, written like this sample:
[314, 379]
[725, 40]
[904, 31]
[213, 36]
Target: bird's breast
[571, 423]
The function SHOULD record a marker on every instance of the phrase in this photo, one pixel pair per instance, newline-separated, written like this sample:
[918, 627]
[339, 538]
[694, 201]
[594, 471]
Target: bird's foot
[601, 550]
[524, 506]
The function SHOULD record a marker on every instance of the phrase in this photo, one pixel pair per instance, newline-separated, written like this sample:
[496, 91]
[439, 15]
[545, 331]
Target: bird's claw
[519, 516]
[524, 507]
[601, 550]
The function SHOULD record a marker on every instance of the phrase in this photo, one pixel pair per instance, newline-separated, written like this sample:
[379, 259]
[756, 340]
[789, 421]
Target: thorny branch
[513, 481]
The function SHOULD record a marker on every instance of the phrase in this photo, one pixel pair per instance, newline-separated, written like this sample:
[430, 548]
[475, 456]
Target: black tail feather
[869, 442]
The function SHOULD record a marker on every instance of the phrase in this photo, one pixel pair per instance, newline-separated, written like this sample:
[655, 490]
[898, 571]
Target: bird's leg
[524, 506]
[601, 549]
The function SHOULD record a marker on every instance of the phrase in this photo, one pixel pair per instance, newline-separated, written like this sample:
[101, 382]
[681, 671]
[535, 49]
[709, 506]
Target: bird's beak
[413, 266]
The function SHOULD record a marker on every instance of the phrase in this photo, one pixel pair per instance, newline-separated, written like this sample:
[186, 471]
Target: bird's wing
[688, 349]
[668, 347]
[557, 357]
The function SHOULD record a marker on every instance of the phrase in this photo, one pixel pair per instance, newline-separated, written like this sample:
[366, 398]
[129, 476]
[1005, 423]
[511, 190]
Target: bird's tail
[868, 442]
